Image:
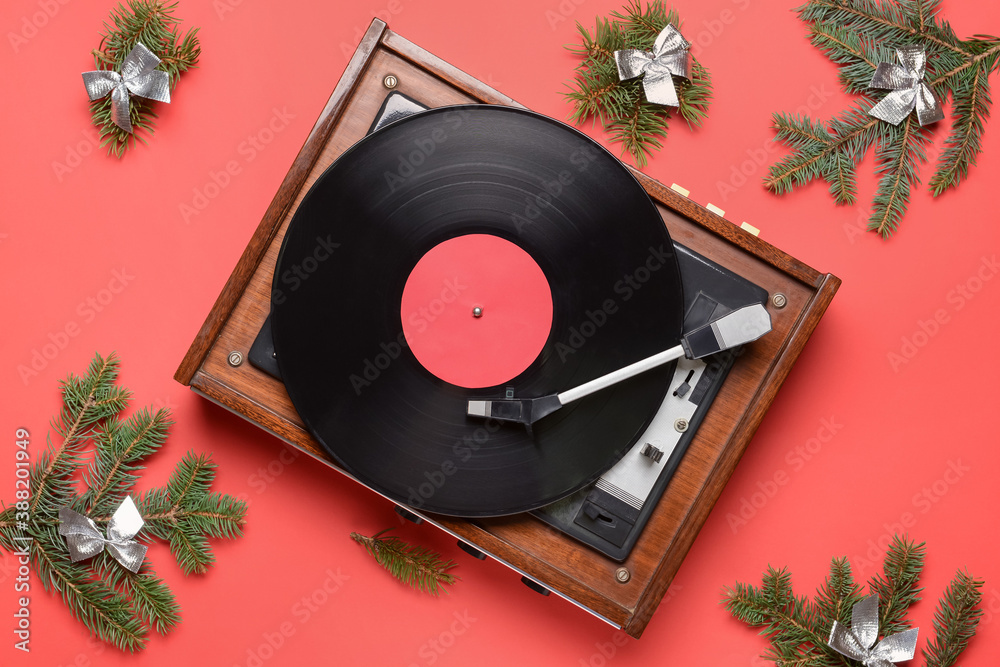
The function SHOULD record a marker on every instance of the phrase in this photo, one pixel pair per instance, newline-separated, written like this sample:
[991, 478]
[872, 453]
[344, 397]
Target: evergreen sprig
[415, 566]
[621, 106]
[799, 628]
[116, 605]
[858, 35]
[153, 23]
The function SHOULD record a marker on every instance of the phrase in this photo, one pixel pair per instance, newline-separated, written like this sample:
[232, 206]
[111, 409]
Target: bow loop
[669, 58]
[84, 540]
[907, 90]
[856, 642]
[138, 76]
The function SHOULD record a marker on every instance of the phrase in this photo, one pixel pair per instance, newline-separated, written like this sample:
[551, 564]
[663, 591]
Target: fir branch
[955, 621]
[838, 594]
[186, 514]
[971, 109]
[103, 610]
[153, 23]
[86, 401]
[621, 107]
[798, 628]
[883, 21]
[800, 131]
[976, 61]
[641, 27]
[191, 550]
[119, 445]
[842, 177]
[116, 605]
[897, 163]
[897, 585]
[858, 35]
[788, 620]
[150, 599]
[851, 134]
[415, 566]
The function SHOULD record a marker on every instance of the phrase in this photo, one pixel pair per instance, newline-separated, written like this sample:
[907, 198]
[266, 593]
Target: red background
[72, 217]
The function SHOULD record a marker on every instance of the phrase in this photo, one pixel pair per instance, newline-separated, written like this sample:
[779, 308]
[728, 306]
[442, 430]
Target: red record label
[476, 310]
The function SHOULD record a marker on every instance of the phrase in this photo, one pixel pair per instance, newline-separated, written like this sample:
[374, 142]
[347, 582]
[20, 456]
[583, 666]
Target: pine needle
[955, 621]
[799, 628]
[858, 35]
[415, 566]
[153, 23]
[597, 93]
[115, 604]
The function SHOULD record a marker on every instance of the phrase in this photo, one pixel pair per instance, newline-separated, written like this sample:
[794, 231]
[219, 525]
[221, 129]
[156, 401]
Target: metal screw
[477, 312]
[779, 300]
[235, 358]
[390, 81]
[622, 575]
[681, 425]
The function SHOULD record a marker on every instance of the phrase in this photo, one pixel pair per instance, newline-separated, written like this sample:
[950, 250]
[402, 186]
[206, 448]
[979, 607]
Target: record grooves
[386, 202]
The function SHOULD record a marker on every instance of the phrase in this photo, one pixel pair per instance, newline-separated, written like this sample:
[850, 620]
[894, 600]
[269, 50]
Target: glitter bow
[669, 58]
[857, 642]
[908, 90]
[85, 540]
[139, 76]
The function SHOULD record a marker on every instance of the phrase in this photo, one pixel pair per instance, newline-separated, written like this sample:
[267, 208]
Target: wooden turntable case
[549, 558]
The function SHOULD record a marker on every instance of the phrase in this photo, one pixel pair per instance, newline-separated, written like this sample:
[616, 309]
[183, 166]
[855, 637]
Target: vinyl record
[402, 192]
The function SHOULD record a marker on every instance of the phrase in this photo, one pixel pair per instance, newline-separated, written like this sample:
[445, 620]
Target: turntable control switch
[652, 452]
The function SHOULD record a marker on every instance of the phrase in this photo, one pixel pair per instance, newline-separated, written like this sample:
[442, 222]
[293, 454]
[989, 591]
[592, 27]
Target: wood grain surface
[521, 541]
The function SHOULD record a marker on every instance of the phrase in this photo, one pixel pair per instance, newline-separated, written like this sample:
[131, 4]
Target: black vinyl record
[360, 230]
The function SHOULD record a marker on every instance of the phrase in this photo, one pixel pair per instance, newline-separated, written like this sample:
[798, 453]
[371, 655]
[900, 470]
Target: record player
[595, 495]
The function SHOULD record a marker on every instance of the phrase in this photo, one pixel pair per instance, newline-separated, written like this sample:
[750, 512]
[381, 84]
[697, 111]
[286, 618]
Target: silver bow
[85, 540]
[139, 76]
[908, 89]
[669, 58]
[857, 642]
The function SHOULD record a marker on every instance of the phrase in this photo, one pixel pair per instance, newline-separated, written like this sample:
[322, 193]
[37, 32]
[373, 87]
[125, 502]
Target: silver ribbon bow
[906, 81]
[139, 76]
[669, 58]
[85, 540]
[857, 642]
